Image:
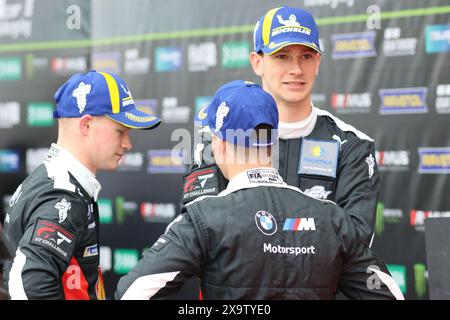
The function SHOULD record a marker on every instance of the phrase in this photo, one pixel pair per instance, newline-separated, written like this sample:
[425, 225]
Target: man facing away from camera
[259, 238]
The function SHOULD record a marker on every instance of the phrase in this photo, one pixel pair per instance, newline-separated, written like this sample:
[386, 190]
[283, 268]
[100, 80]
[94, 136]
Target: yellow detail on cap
[309, 45]
[138, 119]
[202, 114]
[267, 25]
[113, 92]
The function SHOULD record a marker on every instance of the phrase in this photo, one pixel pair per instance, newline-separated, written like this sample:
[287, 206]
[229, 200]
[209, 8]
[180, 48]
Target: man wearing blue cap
[52, 221]
[259, 238]
[318, 153]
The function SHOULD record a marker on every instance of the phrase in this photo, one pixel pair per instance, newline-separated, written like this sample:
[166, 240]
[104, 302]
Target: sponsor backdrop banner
[385, 70]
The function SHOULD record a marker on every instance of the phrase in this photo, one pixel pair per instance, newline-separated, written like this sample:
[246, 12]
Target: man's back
[270, 243]
[259, 239]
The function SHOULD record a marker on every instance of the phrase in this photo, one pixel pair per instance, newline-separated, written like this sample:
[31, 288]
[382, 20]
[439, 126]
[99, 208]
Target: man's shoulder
[39, 186]
[225, 201]
[341, 128]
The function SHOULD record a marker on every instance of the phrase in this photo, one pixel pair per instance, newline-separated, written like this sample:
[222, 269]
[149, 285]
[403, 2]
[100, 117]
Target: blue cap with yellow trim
[284, 26]
[237, 108]
[101, 94]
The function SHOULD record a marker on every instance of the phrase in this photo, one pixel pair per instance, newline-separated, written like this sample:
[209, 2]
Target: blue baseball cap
[101, 94]
[237, 108]
[283, 26]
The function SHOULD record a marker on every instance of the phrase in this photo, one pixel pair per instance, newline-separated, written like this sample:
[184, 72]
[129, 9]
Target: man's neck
[235, 169]
[69, 147]
[294, 112]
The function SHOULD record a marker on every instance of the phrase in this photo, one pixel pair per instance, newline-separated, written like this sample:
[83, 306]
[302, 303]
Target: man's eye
[282, 56]
[307, 56]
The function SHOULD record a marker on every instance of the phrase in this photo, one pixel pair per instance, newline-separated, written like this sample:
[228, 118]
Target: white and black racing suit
[52, 223]
[321, 155]
[261, 239]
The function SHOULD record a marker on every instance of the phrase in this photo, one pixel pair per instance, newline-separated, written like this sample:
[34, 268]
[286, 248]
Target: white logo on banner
[202, 56]
[16, 18]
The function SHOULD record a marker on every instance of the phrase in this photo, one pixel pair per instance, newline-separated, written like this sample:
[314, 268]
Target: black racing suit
[324, 157]
[52, 222]
[261, 239]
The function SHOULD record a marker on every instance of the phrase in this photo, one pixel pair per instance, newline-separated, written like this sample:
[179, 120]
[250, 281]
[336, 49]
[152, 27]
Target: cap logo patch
[290, 25]
[221, 113]
[127, 92]
[80, 94]
[127, 100]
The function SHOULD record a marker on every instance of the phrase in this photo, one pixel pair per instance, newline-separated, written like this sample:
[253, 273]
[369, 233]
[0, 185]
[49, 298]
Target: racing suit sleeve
[174, 258]
[46, 247]
[204, 176]
[358, 185]
[364, 276]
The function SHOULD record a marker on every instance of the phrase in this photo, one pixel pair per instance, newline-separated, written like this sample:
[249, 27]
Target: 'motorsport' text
[268, 247]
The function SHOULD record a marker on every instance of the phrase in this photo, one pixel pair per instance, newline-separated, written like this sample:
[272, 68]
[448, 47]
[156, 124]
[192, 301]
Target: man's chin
[111, 167]
[293, 101]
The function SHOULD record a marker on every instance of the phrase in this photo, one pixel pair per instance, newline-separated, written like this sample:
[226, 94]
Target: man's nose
[126, 142]
[295, 67]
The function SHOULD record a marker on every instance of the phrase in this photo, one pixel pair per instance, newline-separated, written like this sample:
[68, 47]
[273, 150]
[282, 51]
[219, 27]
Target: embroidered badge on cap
[318, 157]
[80, 94]
[221, 113]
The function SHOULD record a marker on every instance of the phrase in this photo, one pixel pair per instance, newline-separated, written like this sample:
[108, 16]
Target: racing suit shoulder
[341, 127]
[175, 257]
[357, 180]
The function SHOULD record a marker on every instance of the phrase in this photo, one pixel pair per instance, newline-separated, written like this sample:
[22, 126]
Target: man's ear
[256, 61]
[85, 124]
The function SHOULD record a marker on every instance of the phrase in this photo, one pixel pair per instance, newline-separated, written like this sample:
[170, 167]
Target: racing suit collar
[294, 130]
[63, 159]
[257, 177]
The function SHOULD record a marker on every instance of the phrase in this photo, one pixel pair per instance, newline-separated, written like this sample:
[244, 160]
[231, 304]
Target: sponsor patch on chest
[319, 157]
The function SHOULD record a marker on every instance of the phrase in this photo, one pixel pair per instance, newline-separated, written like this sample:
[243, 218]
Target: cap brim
[287, 42]
[135, 119]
